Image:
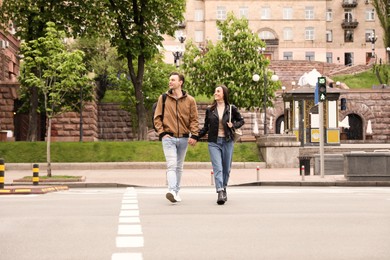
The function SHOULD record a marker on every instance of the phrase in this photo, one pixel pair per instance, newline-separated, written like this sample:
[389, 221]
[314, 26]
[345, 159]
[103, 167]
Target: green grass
[364, 80]
[135, 151]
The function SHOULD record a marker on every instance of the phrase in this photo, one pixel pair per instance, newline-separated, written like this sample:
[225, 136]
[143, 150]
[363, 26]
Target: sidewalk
[153, 175]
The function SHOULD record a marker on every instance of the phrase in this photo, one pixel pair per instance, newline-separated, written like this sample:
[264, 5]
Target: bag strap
[230, 113]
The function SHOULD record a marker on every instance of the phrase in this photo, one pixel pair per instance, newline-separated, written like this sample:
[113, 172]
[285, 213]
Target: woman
[220, 125]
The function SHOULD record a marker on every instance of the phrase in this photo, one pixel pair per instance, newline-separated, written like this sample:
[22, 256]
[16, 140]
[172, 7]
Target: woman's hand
[230, 124]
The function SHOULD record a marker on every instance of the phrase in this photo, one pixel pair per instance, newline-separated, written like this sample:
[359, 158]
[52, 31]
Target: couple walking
[177, 125]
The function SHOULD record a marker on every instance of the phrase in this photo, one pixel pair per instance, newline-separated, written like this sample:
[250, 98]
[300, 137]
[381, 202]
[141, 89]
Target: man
[177, 128]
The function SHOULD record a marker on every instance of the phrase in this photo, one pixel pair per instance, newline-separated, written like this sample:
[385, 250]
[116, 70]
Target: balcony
[349, 24]
[349, 3]
[272, 42]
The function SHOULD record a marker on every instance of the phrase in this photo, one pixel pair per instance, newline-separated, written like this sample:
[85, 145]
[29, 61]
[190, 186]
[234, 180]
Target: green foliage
[30, 16]
[382, 73]
[364, 80]
[57, 73]
[136, 151]
[382, 11]
[232, 62]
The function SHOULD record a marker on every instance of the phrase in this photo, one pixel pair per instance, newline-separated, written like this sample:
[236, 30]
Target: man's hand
[192, 141]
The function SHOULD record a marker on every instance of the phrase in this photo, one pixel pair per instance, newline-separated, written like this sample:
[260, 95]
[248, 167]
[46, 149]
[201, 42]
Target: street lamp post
[388, 54]
[372, 38]
[256, 78]
[179, 53]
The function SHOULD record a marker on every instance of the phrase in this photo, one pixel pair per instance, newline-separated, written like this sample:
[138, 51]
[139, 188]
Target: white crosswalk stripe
[129, 227]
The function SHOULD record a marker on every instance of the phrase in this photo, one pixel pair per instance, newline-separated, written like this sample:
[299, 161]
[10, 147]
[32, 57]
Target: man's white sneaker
[178, 199]
[171, 196]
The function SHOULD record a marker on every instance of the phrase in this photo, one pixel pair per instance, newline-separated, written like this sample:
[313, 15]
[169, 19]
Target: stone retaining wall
[110, 122]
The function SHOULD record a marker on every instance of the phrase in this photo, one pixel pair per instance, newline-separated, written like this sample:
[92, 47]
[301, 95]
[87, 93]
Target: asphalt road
[255, 223]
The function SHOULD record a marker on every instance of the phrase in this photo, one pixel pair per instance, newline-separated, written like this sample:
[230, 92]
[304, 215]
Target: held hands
[192, 141]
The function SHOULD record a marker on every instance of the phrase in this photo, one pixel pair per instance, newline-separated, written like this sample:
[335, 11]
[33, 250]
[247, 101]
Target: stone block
[369, 166]
[333, 164]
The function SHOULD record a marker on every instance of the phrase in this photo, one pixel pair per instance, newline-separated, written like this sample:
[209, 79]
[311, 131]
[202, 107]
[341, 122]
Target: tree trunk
[32, 134]
[48, 142]
[137, 80]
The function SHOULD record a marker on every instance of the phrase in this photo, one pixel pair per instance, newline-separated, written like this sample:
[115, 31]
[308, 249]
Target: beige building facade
[333, 31]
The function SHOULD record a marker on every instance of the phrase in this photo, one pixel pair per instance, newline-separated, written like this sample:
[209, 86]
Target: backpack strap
[164, 97]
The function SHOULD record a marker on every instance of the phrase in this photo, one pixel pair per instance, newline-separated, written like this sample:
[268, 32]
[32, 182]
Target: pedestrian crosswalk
[130, 236]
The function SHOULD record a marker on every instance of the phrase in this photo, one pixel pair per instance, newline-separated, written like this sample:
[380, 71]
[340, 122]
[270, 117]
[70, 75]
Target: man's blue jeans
[221, 154]
[175, 150]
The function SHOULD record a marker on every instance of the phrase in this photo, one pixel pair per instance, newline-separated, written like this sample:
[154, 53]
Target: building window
[288, 55]
[329, 57]
[348, 15]
[244, 12]
[199, 15]
[265, 13]
[329, 37]
[288, 34]
[198, 36]
[309, 33]
[309, 12]
[329, 15]
[370, 15]
[348, 36]
[266, 35]
[309, 56]
[221, 13]
[287, 13]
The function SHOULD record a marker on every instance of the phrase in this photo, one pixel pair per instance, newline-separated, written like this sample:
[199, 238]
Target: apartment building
[9, 49]
[332, 31]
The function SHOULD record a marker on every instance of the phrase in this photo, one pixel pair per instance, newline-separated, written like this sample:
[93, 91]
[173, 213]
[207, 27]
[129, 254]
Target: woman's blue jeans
[221, 154]
[175, 150]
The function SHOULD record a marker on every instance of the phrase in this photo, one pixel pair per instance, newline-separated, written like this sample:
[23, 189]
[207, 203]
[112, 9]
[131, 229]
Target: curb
[31, 189]
[126, 165]
[16, 189]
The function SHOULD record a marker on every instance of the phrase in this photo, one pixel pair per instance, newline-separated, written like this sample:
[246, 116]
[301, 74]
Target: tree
[111, 73]
[232, 62]
[58, 74]
[136, 29]
[382, 9]
[30, 18]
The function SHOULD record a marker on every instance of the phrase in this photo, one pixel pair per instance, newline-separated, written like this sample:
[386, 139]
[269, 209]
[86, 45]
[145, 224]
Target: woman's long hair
[225, 97]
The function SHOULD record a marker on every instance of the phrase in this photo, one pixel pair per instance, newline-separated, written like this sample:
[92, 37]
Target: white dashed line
[129, 220]
[129, 227]
[129, 230]
[129, 206]
[127, 256]
[130, 242]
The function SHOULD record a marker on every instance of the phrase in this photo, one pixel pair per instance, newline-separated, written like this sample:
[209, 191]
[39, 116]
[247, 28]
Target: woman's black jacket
[211, 123]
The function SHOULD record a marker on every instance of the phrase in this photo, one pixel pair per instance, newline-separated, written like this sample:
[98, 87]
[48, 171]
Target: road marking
[129, 227]
[129, 213]
[129, 201]
[129, 220]
[129, 242]
[19, 196]
[129, 206]
[126, 256]
[129, 230]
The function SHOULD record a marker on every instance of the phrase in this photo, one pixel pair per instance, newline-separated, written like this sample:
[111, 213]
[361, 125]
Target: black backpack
[164, 97]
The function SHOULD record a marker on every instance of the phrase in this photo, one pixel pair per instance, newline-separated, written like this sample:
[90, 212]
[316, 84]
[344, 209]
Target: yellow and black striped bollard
[35, 174]
[2, 173]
